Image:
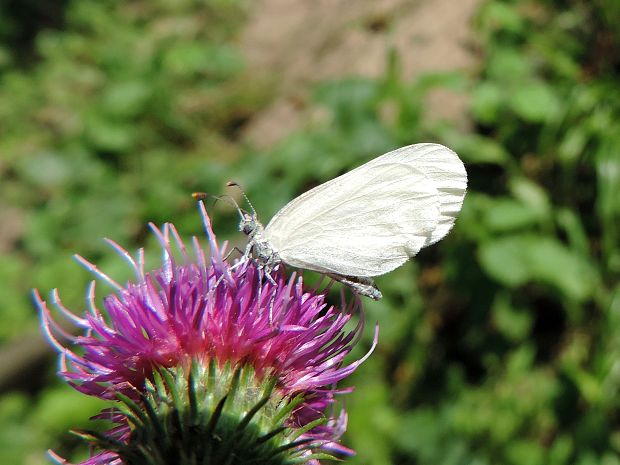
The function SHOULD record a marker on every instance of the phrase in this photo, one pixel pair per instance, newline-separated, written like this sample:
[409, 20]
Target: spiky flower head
[208, 362]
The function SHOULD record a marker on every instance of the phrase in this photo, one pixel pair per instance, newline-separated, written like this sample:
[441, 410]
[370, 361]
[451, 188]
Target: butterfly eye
[248, 225]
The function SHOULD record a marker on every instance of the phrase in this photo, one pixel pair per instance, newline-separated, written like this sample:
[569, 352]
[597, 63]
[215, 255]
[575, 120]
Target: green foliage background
[501, 345]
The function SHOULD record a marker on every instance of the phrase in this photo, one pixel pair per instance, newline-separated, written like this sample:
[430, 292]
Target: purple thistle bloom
[207, 311]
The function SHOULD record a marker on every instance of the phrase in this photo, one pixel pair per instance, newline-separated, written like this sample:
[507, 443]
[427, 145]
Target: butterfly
[366, 222]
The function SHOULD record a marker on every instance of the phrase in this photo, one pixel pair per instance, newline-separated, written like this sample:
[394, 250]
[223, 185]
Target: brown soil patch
[300, 42]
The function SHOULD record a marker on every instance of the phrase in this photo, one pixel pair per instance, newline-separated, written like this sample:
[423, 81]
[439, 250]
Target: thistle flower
[208, 362]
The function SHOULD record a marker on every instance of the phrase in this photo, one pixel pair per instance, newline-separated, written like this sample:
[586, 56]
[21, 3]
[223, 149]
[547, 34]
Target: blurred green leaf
[532, 195]
[19, 443]
[46, 169]
[573, 144]
[535, 102]
[503, 16]
[487, 102]
[16, 311]
[504, 215]
[60, 410]
[474, 148]
[530, 452]
[193, 57]
[508, 65]
[516, 260]
[515, 323]
[108, 135]
[126, 99]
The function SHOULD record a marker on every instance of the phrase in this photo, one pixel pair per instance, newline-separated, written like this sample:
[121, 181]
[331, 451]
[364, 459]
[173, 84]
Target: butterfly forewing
[364, 223]
[445, 169]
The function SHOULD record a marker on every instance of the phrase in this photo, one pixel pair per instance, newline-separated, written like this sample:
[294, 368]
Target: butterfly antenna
[204, 195]
[234, 184]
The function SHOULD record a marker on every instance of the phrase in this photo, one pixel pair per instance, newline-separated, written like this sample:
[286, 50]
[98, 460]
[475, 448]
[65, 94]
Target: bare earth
[300, 42]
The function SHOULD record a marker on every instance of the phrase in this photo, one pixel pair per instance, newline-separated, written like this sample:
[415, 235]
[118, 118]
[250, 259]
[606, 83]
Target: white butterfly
[366, 222]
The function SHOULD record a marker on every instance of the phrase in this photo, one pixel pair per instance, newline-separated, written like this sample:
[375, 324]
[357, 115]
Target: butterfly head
[249, 224]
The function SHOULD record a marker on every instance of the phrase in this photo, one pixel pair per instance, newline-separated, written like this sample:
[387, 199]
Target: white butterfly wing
[445, 169]
[364, 223]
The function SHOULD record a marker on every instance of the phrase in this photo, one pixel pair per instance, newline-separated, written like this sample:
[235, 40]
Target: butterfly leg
[234, 249]
[267, 271]
[360, 286]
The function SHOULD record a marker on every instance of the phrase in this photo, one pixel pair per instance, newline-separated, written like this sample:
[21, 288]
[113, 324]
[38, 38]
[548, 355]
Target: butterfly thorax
[258, 247]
